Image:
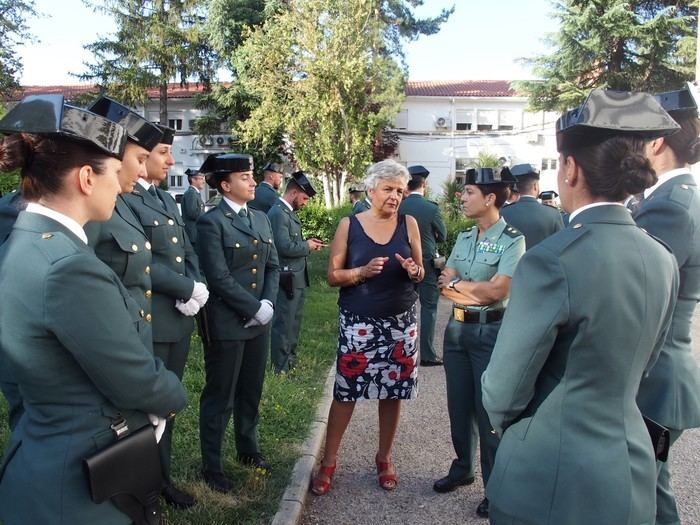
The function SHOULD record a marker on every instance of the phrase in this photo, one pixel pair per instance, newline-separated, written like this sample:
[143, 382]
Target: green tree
[645, 45]
[318, 75]
[156, 42]
[487, 159]
[13, 32]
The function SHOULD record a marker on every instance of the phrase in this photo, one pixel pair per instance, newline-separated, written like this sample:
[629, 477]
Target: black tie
[152, 191]
[243, 214]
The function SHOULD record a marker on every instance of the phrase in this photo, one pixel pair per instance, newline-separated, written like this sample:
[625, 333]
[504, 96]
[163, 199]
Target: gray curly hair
[383, 170]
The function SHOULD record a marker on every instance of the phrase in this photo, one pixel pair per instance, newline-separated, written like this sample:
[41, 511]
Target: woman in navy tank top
[375, 259]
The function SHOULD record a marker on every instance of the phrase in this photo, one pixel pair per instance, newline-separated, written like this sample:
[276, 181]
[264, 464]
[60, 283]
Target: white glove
[265, 312]
[252, 322]
[200, 293]
[159, 423]
[189, 308]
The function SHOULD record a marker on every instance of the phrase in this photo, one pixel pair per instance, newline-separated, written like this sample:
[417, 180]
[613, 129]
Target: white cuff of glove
[189, 308]
[265, 312]
[159, 423]
[200, 293]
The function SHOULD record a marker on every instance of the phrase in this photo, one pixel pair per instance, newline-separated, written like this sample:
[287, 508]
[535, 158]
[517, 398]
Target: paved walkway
[423, 453]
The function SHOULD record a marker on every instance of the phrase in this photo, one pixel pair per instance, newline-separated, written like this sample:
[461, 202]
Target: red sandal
[319, 486]
[386, 481]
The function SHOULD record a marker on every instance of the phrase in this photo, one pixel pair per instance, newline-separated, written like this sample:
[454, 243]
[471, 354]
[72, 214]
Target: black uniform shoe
[176, 498]
[448, 484]
[255, 460]
[430, 362]
[217, 481]
[483, 509]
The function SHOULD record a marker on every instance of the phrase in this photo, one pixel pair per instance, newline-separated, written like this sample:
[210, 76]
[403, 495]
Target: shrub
[319, 222]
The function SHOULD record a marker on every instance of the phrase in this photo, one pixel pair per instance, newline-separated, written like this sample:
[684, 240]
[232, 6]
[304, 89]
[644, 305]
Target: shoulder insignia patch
[510, 231]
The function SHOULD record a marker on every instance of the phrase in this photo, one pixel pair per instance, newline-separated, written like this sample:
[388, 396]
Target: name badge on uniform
[486, 246]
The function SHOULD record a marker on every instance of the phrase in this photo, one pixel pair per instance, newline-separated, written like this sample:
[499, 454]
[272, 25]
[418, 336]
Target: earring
[566, 180]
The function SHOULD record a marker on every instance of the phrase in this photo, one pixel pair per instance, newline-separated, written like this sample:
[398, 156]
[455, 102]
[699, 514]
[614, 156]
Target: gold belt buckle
[458, 314]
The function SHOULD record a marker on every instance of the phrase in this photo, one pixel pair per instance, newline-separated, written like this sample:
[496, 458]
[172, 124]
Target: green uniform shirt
[497, 252]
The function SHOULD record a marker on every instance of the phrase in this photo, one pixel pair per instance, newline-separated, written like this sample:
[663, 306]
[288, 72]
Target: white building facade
[445, 125]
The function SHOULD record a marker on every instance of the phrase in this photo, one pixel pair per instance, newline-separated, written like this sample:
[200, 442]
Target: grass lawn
[287, 409]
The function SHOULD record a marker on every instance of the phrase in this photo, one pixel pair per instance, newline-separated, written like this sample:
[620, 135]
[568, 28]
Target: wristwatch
[453, 282]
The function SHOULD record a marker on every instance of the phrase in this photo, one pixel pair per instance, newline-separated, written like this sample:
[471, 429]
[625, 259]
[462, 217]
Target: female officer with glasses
[477, 279]
[69, 330]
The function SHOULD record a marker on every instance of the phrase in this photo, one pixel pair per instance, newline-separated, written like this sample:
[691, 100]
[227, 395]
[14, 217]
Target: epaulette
[658, 239]
[682, 194]
[511, 231]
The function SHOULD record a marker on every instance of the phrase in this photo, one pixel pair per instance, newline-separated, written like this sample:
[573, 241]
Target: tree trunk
[164, 102]
[327, 196]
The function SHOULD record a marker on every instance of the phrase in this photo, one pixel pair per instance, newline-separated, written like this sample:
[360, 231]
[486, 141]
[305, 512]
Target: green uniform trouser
[285, 330]
[467, 350]
[174, 357]
[666, 510]
[235, 373]
[429, 296]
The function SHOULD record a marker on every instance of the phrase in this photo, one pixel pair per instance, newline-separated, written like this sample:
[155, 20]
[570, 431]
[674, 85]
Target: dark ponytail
[615, 168]
[43, 160]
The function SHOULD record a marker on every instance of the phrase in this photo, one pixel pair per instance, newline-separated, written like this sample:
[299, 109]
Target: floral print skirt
[377, 357]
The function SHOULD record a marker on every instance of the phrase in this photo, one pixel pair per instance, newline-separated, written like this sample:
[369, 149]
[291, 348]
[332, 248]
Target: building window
[465, 120]
[486, 119]
[175, 123]
[459, 179]
[549, 164]
[463, 164]
[508, 120]
[176, 181]
[401, 120]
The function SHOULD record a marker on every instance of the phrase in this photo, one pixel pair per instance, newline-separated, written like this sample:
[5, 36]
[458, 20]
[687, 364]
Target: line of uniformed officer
[292, 250]
[178, 292]
[239, 260]
[432, 230]
[534, 220]
[192, 204]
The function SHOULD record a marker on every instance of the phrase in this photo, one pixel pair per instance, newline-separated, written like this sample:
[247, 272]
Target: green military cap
[168, 134]
[418, 171]
[218, 165]
[139, 130]
[355, 189]
[525, 170]
[607, 113]
[273, 166]
[49, 115]
[680, 102]
[548, 195]
[303, 182]
[480, 176]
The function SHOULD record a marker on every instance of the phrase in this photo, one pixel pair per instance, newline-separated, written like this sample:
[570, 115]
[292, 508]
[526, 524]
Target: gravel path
[423, 452]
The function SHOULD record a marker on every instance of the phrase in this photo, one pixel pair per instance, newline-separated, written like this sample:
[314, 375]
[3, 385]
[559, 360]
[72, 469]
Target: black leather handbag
[128, 472]
[660, 438]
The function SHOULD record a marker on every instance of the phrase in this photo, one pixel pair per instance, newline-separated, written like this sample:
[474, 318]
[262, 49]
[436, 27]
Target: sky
[481, 41]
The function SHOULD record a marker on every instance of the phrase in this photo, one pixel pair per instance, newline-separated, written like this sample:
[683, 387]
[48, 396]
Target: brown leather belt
[481, 316]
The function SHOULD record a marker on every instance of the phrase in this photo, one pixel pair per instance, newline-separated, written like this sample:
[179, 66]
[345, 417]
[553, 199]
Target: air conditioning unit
[442, 122]
[220, 141]
[206, 141]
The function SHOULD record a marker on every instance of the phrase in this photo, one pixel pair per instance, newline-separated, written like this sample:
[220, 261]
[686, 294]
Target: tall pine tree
[644, 45]
[156, 42]
[13, 32]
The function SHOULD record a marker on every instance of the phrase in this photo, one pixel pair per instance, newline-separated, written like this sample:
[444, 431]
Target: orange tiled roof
[69, 92]
[428, 88]
[460, 88]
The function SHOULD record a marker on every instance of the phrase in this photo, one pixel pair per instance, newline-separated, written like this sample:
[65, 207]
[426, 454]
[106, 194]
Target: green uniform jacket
[670, 394]
[265, 197]
[241, 267]
[291, 247]
[175, 266]
[192, 207]
[430, 223]
[588, 313]
[122, 245]
[10, 206]
[536, 221]
[70, 337]
[361, 206]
